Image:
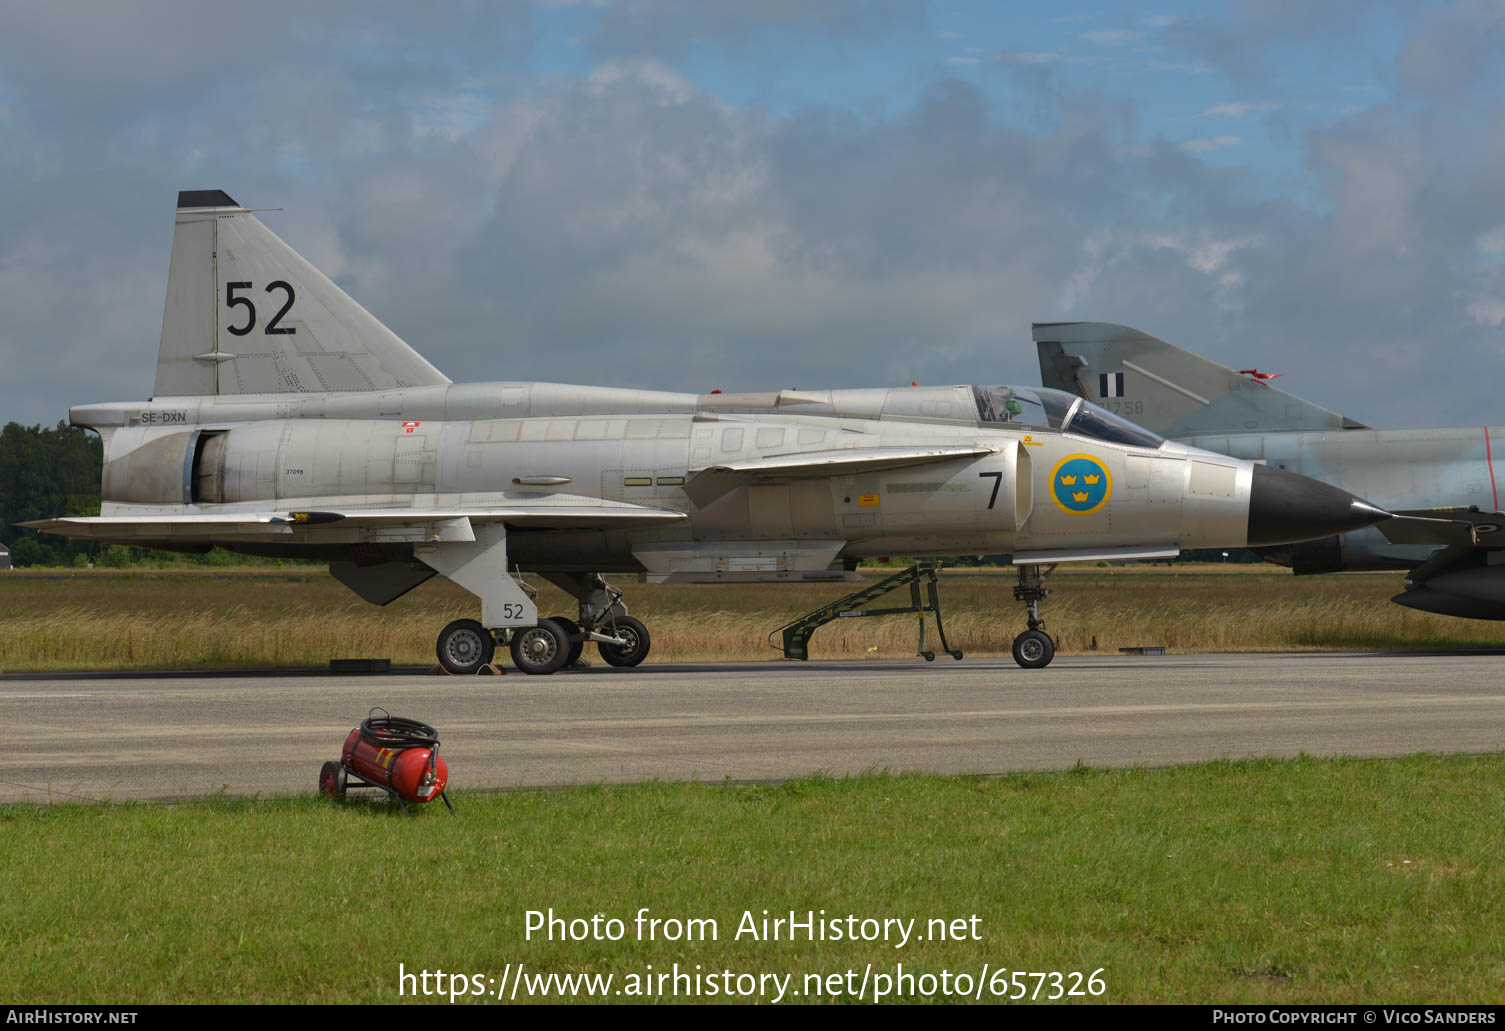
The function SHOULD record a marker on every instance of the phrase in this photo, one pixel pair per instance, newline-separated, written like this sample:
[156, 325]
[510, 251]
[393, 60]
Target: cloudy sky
[691, 194]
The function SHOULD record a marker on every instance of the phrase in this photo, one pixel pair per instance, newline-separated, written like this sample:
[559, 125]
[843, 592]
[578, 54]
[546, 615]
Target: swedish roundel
[1080, 484]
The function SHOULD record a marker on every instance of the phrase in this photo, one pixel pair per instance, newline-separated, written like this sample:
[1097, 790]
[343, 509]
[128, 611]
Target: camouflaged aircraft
[1443, 483]
[288, 421]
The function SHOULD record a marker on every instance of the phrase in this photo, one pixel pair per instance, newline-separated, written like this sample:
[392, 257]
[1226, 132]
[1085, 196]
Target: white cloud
[1212, 143]
[663, 79]
[1114, 37]
[1107, 255]
[1044, 57]
[1240, 108]
[1492, 242]
[1487, 311]
[1454, 48]
[1137, 63]
[1205, 253]
[450, 114]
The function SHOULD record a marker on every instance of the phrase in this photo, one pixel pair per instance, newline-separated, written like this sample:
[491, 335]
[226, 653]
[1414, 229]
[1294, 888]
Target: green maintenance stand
[797, 634]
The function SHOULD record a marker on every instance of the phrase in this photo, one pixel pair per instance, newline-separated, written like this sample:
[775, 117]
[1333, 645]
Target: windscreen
[1058, 410]
[1091, 421]
[1023, 406]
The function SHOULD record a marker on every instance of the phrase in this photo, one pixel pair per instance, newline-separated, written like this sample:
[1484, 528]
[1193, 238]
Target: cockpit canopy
[1058, 410]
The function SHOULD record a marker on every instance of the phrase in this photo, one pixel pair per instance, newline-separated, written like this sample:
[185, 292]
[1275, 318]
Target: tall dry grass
[250, 620]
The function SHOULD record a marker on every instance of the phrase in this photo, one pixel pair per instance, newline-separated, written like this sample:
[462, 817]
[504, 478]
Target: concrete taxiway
[143, 736]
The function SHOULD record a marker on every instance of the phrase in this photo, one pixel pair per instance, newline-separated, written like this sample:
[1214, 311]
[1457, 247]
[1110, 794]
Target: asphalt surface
[170, 736]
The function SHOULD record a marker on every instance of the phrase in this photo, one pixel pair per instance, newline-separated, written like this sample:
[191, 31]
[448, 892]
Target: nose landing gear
[1033, 649]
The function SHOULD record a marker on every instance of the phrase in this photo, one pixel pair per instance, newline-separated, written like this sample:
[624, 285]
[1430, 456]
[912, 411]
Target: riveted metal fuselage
[479, 445]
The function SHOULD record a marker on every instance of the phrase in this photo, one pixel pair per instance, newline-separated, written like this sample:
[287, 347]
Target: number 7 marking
[997, 482]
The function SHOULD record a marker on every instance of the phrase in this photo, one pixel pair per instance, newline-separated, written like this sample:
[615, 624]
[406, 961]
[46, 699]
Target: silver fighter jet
[1444, 483]
[288, 421]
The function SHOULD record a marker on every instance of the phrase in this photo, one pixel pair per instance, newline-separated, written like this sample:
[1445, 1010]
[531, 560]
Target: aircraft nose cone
[1285, 507]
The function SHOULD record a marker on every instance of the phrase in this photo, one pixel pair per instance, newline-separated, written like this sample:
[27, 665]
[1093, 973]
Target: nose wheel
[1033, 649]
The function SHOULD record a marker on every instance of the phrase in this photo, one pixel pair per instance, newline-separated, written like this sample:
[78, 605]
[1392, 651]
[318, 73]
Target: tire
[540, 649]
[332, 780]
[1034, 649]
[571, 629]
[464, 646]
[638, 642]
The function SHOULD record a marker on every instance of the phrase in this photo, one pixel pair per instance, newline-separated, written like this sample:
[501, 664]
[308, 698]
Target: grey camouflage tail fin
[1166, 389]
[246, 314]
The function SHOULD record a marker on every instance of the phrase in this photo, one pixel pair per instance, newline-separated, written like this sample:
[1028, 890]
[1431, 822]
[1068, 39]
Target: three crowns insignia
[1081, 484]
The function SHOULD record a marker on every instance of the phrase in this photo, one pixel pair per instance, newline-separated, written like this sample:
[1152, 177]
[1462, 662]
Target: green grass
[1265, 881]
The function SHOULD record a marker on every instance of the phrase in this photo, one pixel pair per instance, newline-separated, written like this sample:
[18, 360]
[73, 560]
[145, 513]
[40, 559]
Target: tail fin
[246, 314]
[1164, 388]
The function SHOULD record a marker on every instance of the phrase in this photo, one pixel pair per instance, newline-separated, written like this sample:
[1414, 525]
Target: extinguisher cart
[399, 756]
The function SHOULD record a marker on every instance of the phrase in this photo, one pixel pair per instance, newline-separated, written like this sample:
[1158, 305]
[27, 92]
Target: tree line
[44, 474]
[49, 473]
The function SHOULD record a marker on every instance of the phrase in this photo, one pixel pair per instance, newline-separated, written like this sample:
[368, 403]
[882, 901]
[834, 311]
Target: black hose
[397, 733]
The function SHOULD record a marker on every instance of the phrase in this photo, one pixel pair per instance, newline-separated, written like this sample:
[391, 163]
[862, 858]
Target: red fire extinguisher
[399, 756]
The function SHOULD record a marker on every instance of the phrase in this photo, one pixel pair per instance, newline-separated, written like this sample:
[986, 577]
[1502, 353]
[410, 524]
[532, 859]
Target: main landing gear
[465, 645]
[540, 649]
[1033, 649]
[622, 639]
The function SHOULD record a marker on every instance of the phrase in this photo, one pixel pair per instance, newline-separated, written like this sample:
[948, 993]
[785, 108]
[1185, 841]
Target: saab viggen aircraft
[1445, 482]
[288, 421]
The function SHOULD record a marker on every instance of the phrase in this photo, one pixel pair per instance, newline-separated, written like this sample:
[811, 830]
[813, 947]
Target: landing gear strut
[634, 648]
[466, 645]
[1033, 649]
[622, 639]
